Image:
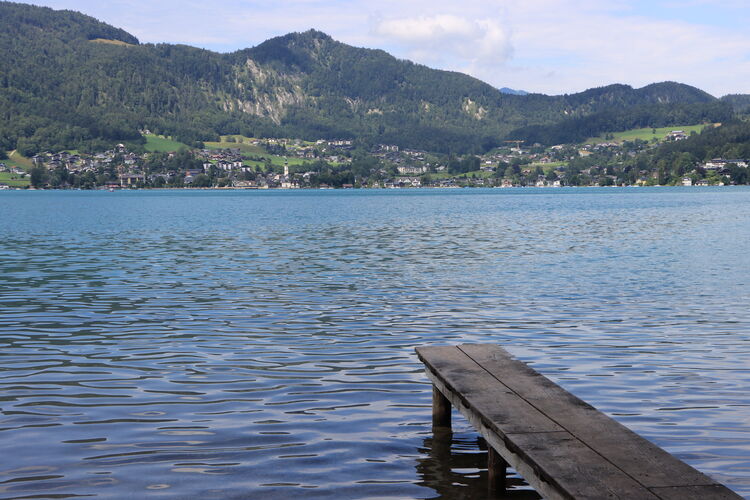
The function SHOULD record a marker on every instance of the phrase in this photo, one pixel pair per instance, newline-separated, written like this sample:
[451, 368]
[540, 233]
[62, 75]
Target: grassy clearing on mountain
[16, 159]
[552, 164]
[244, 144]
[160, 144]
[113, 42]
[645, 134]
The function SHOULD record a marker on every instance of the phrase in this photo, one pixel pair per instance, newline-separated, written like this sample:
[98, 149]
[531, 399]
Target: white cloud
[445, 36]
[593, 48]
[427, 29]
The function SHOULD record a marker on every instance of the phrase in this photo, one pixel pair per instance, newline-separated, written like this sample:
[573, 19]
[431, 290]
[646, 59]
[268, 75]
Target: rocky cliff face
[264, 92]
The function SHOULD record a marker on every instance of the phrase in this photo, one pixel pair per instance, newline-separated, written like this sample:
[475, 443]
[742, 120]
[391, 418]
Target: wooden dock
[563, 447]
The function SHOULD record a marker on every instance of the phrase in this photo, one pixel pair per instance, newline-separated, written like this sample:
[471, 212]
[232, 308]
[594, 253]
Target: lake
[247, 344]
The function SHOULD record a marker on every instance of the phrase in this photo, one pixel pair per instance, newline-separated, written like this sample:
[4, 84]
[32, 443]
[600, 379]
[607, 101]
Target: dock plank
[534, 445]
[576, 469]
[715, 492]
[481, 392]
[649, 464]
[564, 447]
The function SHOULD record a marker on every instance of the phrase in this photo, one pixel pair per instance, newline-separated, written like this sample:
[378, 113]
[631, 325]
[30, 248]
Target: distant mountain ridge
[506, 90]
[655, 105]
[739, 102]
[60, 87]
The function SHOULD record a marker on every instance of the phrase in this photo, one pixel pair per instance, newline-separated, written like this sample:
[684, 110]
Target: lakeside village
[239, 162]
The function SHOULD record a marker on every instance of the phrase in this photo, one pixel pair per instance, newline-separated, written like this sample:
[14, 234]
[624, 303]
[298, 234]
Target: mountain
[619, 107]
[70, 81]
[739, 102]
[506, 90]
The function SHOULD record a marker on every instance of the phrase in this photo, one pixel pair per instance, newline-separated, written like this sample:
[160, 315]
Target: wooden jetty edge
[563, 447]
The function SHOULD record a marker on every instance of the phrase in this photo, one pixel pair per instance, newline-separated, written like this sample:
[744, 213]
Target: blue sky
[549, 46]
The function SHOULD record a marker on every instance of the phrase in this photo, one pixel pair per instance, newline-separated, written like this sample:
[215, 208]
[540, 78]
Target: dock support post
[496, 468]
[441, 409]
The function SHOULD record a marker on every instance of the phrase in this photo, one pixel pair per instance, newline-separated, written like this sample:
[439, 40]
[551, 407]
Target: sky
[547, 46]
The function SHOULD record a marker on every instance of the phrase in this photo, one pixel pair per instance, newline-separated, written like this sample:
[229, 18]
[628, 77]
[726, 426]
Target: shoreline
[548, 188]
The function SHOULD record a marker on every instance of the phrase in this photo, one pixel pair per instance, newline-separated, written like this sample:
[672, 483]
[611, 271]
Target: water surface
[239, 344]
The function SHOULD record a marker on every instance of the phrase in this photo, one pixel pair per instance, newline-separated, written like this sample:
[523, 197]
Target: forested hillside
[69, 81]
[730, 141]
[739, 102]
[574, 130]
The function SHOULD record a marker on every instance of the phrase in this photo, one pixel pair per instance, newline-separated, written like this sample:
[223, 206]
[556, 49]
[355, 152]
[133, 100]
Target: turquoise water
[244, 344]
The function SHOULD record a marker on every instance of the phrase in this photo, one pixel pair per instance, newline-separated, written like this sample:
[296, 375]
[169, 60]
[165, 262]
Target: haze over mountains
[70, 81]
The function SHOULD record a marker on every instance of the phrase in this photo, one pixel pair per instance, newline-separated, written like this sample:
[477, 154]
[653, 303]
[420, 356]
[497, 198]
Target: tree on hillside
[38, 177]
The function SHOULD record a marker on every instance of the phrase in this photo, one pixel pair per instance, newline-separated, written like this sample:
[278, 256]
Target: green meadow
[112, 42]
[552, 164]
[276, 161]
[244, 144]
[237, 142]
[645, 134]
[13, 180]
[476, 174]
[16, 159]
[161, 144]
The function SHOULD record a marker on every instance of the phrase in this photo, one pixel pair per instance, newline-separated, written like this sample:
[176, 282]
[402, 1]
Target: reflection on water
[455, 466]
[260, 345]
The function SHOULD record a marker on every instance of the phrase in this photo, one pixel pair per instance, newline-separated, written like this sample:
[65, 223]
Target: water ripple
[236, 344]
